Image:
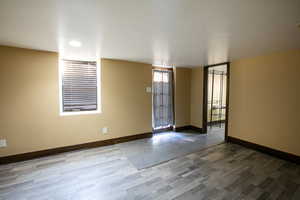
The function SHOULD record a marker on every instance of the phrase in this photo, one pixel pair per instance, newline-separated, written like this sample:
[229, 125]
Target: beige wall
[196, 96]
[264, 101]
[29, 103]
[182, 96]
[188, 96]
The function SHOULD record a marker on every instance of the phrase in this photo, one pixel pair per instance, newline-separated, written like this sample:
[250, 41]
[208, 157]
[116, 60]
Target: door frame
[205, 97]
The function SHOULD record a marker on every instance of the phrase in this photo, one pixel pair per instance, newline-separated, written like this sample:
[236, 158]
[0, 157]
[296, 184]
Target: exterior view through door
[217, 78]
[162, 99]
[216, 100]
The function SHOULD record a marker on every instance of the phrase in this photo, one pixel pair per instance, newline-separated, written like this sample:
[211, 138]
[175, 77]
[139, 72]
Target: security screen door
[162, 99]
[217, 80]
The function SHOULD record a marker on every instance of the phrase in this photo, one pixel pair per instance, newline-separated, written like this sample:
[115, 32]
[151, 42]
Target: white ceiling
[174, 32]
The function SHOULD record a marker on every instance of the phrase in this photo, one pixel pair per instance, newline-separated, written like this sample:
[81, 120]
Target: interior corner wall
[182, 96]
[188, 96]
[29, 103]
[264, 101]
[196, 96]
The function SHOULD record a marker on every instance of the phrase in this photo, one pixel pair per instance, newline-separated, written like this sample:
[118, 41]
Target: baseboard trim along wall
[189, 127]
[267, 150]
[48, 152]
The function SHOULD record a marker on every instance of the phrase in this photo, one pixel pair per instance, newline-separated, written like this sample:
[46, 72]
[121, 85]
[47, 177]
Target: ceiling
[171, 32]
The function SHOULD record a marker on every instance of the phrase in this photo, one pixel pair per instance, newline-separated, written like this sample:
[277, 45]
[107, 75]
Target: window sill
[80, 113]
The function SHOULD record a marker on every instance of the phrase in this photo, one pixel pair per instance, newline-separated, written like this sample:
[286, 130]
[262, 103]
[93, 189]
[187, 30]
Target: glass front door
[162, 99]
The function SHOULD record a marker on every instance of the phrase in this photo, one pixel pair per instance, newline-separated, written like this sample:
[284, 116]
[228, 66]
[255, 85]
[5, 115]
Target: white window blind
[79, 86]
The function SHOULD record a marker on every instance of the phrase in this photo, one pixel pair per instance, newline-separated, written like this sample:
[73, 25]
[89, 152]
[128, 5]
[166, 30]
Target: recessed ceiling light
[75, 43]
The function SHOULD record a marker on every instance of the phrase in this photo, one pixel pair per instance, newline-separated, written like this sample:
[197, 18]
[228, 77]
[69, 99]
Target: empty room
[149, 99]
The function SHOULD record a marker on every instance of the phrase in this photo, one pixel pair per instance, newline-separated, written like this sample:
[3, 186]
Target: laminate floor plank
[224, 171]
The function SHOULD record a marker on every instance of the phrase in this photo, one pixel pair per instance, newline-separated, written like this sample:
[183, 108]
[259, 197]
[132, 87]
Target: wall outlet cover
[3, 143]
[104, 130]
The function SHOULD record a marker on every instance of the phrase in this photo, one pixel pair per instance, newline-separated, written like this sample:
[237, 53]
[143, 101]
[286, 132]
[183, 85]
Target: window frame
[60, 81]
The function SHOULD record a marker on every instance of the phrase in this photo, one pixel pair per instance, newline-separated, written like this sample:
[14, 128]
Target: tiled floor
[165, 146]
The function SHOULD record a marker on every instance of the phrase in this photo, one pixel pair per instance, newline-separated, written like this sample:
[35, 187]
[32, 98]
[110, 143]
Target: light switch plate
[3, 143]
[148, 89]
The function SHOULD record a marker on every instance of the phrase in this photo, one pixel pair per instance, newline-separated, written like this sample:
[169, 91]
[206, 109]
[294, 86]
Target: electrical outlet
[104, 130]
[3, 143]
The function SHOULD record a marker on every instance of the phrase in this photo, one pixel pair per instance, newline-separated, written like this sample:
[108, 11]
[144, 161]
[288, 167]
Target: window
[79, 87]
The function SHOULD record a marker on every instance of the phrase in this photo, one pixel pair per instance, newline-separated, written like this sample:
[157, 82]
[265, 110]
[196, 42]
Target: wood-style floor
[225, 171]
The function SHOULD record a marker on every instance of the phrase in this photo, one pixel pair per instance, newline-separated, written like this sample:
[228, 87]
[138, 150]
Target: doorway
[162, 99]
[215, 99]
